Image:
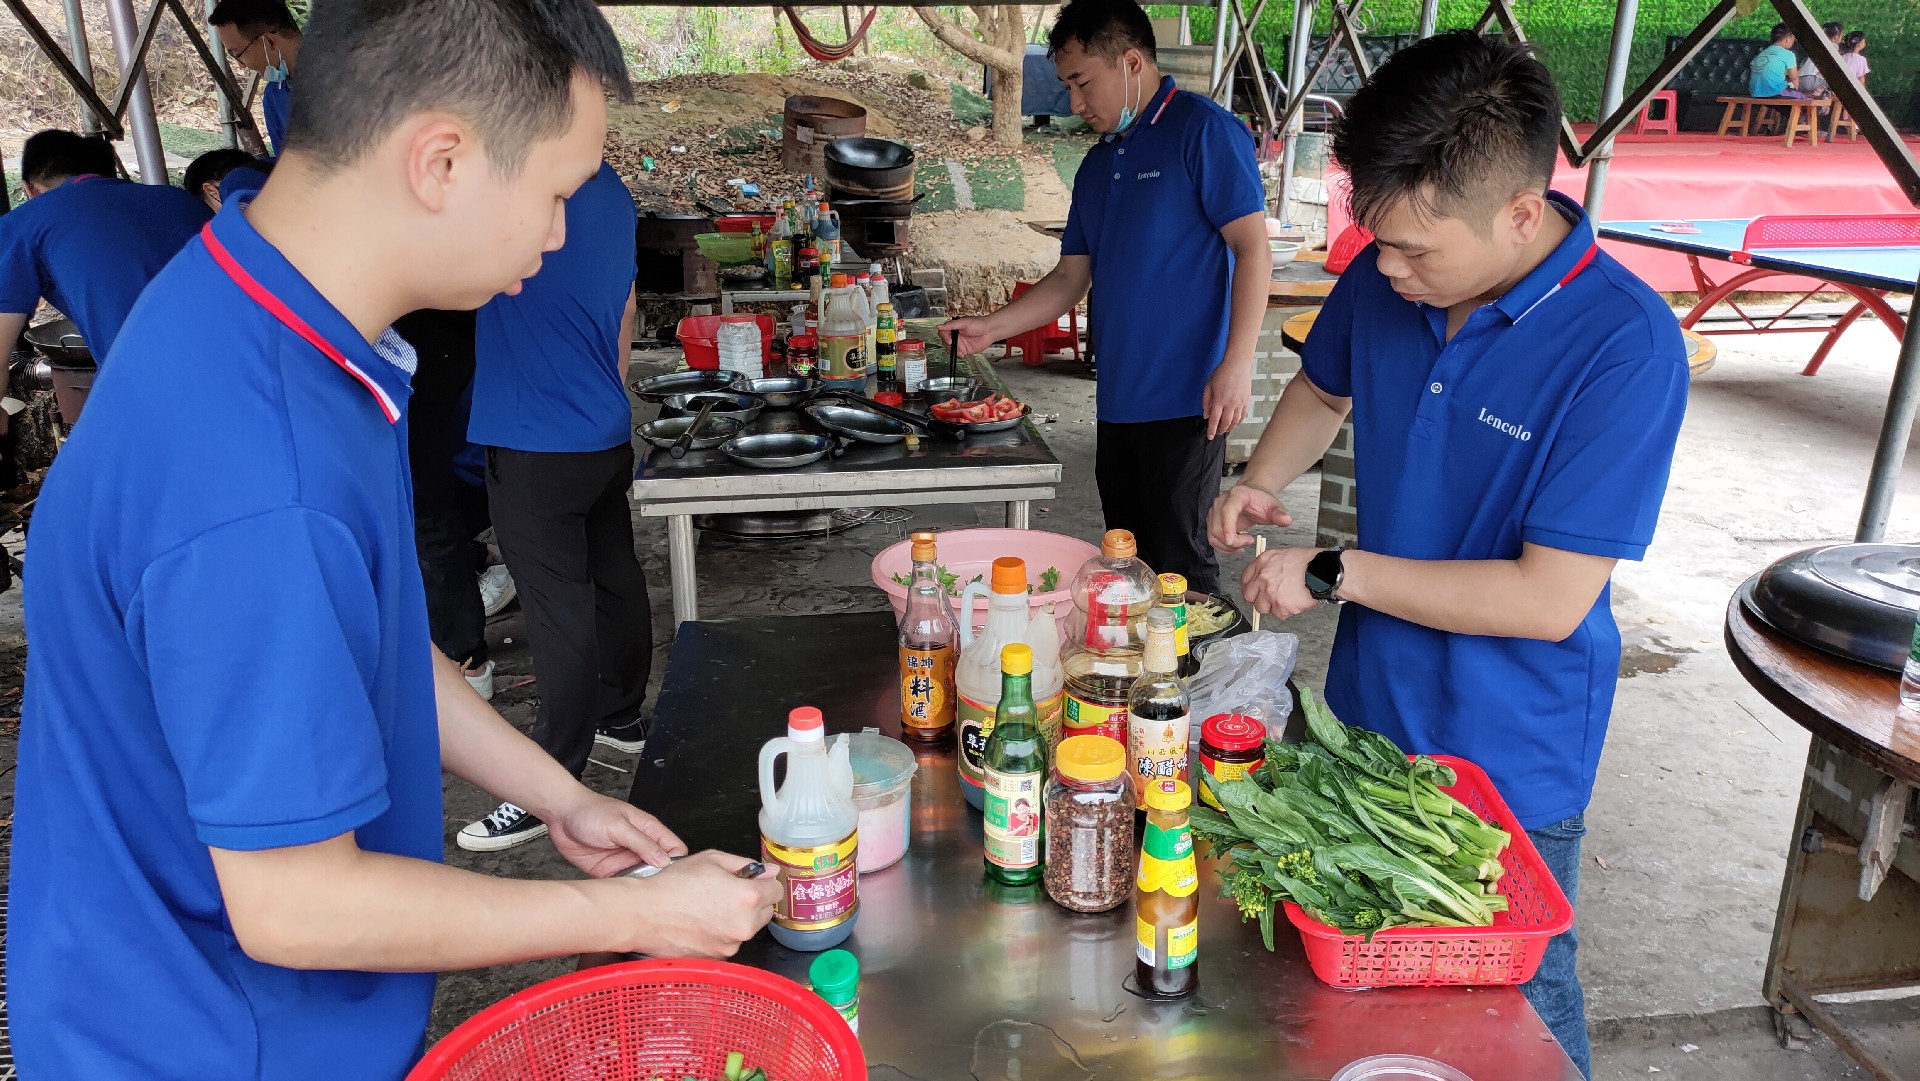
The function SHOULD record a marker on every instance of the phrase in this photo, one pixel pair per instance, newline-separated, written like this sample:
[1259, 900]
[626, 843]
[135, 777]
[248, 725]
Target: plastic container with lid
[1089, 823]
[835, 977]
[1231, 746]
[883, 769]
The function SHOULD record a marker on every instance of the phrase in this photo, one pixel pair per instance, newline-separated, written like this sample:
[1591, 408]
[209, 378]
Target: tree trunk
[1003, 51]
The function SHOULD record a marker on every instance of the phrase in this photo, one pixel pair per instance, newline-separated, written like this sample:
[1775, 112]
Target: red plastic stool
[1035, 344]
[1668, 123]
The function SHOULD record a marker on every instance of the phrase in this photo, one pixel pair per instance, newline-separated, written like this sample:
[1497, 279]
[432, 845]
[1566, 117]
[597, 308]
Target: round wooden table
[1700, 352]
[1293, 332]
[1301, 282]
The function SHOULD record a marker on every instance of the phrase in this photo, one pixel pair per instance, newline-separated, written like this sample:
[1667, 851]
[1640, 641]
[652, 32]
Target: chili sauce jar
[1231, 746]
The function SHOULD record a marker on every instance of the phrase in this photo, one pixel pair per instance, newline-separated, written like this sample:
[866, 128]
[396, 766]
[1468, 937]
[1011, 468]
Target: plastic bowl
[968, 553]
[883, 769]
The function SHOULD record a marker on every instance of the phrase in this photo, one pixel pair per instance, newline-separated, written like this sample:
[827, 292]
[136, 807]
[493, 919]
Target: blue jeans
[1554, 990]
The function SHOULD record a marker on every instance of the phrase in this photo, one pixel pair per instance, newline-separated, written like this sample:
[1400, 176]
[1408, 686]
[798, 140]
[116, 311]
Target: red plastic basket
[700, 336]
[744, 223]
[644, 1019]
[1507, 952]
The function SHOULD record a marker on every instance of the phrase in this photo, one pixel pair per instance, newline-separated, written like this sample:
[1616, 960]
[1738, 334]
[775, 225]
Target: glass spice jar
[1089, 825]
[1231, 747]
[803, 355]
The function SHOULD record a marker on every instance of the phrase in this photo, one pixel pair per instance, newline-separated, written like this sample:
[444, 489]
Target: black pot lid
[1856, 601]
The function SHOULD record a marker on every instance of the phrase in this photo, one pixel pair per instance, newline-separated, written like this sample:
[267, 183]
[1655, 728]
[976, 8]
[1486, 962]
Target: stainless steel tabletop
[962, 979]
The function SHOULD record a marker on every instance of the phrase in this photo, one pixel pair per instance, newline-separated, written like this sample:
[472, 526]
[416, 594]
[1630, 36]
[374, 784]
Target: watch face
[1323, 574]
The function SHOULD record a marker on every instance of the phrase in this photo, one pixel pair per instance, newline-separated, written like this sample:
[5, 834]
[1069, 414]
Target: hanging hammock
[828, 54]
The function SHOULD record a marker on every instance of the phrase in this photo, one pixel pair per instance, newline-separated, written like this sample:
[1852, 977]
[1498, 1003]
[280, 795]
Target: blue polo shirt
[230, 649]
[1148, 207]
[275, 104]
[89, 246]
[1550, 418]
[547, 360]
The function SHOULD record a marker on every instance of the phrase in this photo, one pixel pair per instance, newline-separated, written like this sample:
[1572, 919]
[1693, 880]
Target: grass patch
[970, 108]
[997, 184]
[930, 180]
[189, 142]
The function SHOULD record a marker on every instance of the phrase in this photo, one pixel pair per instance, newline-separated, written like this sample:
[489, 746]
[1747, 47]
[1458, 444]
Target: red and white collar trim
[1164, 102]
[278, 309]
[1584, 261]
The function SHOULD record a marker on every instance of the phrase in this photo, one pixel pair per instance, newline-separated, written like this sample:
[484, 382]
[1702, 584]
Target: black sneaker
[629, 738]
[507, 826]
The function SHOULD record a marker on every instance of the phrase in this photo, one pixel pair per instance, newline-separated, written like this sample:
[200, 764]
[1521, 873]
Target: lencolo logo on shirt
[1148, 176]
[1504, 427]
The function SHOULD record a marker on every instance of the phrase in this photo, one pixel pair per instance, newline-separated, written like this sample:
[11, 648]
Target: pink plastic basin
[970, 552]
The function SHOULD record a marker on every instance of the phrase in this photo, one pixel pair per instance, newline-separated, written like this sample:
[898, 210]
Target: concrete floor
[1690, 818]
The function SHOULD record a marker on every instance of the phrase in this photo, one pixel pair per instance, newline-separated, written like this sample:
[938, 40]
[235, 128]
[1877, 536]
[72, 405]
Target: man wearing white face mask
[261, 36]
[1168, 229]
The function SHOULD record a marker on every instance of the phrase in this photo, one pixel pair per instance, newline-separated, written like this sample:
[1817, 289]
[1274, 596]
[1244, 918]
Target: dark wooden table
[1849, 915]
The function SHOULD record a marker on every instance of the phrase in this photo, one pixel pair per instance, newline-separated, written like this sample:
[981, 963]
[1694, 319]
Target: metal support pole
[1895, 428]
[141, 125]
[229, 119]
[1297, 50]
[1429, 17]
[1186, 27]
[1611, 90]
[1220, 21]
[82, 59]
[1224, 89]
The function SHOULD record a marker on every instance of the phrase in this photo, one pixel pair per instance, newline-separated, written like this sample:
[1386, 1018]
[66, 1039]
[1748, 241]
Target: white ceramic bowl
[1284, 251]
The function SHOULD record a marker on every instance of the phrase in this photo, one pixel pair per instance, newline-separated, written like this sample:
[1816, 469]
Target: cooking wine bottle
[1166, 901]
[1157, 711]
[927, 643]
[1015, 766]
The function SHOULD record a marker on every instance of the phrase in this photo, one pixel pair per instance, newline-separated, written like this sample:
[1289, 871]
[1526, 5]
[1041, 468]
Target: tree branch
[957, 38]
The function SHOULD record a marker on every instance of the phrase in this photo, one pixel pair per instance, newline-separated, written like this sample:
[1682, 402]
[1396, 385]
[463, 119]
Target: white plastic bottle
[843, 334]
[809, 832]
[977, 677]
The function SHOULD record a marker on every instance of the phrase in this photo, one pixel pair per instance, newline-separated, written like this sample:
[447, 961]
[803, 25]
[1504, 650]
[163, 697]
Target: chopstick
[1259, 548]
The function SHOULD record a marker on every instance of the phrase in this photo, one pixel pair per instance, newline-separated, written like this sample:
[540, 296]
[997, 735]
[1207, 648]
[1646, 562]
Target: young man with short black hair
[228, 833]
[1515, 396]
[1168, 229]
[85, 240]
[261, 36]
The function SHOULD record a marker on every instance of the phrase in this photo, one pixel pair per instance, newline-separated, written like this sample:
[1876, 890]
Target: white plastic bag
[1246, 675]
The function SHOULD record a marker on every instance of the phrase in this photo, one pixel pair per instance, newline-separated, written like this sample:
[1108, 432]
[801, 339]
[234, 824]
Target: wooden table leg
[1726, 117]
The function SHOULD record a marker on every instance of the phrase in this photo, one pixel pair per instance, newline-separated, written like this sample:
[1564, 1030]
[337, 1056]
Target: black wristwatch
[1324, 575]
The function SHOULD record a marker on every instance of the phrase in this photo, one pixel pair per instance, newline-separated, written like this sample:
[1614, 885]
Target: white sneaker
[482, 681]
[496, 588]
[507, 826]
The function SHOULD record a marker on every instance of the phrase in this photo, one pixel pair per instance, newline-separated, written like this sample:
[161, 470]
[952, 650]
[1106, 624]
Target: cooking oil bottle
[1112, 594]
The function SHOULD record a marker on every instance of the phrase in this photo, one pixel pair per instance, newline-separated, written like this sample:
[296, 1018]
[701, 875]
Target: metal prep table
[962, 980]
[1849, 916]
[1011, 467]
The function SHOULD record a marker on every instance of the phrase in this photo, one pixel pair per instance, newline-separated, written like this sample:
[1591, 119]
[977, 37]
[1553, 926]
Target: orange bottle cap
[1009, 575]
[923, 547]
[1118, 544]
[839, 281]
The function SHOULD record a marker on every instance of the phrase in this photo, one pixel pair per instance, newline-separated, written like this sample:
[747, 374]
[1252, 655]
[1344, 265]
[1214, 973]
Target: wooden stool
[1665, 124]
[1293, 332]
[1737, 116]
[1700, 353]
[1843, 119]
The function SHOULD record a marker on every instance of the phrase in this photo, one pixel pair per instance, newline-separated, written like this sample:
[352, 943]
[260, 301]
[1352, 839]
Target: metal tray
[777, 450]
[783, 392]
[730, 406]
[655, 390]
[666, 431]
[1856, 601]
[857, 424]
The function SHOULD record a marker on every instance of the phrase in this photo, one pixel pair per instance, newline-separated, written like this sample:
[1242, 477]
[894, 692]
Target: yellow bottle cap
[1016, 659]
[1009, 575]
[1169, 796]
[1118, 544]
[1090, 758]
[923, 547]
[1173, 585]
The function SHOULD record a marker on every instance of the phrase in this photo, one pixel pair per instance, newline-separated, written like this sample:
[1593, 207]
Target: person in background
[261, 36]
[550, 405]
[85, 240]
[1853, 56]
[1773, 73]
[1515, 396]
[228, 834]
[1168, 229]
[1812, 84]
[207, 172]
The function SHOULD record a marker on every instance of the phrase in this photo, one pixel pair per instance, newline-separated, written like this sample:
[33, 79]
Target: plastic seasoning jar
[803, 355]
[1231, 746]
[1089, 825]
[835, 976]
[883, 769]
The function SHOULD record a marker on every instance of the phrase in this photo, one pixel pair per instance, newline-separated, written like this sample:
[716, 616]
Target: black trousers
[566, 533]
[1158, 479]
[448, 512]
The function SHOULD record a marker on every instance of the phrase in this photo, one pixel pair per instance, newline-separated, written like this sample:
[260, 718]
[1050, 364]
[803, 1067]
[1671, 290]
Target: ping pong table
[1864, 256]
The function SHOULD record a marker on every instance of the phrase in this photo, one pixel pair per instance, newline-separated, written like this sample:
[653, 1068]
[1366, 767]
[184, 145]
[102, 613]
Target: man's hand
[1238, 509]
[976, 333]
[697, 908]
[603, 836]
[1276, 582]
[1228, 396]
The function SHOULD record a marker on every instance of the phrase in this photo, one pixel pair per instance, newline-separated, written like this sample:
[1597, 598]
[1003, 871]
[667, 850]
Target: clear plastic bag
[1247, 675]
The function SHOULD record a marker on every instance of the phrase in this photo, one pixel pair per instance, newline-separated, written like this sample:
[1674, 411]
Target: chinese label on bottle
[1013, 819]
[1091, 719]
[1183, 943]
[1166, 861]
[976, 724]
[926, 687]
[820, 883]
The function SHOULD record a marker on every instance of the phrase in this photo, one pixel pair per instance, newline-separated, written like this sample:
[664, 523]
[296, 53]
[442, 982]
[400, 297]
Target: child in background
[1853, 56]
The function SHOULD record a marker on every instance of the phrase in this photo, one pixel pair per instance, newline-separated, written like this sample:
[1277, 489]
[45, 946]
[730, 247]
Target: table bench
[1803, 116]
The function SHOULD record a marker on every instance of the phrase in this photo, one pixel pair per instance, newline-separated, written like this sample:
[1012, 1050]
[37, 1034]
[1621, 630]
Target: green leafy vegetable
[1049, 579]
[1354, 832]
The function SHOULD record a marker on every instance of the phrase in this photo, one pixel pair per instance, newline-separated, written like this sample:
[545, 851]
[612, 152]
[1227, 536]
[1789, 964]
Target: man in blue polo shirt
[1515, 397]
[228, 828]
[1168, 229]
[261, 36]
[550, 405]
[85, 241]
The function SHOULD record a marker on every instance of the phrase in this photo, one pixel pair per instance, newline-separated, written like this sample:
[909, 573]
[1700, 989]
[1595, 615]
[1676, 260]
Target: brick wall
[1273, 367]
[1339, 521]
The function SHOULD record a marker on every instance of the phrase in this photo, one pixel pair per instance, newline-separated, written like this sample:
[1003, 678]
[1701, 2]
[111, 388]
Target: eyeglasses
[235, 55]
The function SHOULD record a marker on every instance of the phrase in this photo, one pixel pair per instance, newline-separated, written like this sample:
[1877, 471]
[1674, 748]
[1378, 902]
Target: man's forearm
[1252, 277]
[478, 746]
[627, 320]
[1302, 428]
[1544, 594]
[11, 324]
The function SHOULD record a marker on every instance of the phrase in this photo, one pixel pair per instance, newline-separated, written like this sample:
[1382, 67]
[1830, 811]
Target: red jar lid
[803, 341]
[1233, 732]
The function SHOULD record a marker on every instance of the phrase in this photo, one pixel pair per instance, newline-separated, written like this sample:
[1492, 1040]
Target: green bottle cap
[835, 976]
